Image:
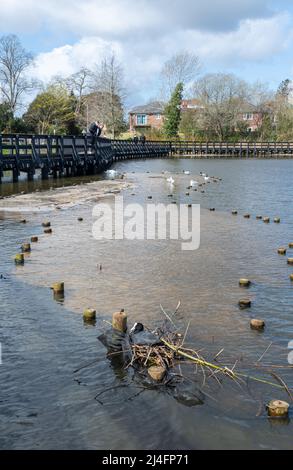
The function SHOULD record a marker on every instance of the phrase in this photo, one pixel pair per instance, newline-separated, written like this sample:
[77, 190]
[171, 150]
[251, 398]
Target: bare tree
[80, 83]
[109, 95]
[222, 97]
[14, 62]
[182, 67]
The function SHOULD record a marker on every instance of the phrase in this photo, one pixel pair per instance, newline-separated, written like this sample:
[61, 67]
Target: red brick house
[149, 116]
[191, 104]
[252, 117]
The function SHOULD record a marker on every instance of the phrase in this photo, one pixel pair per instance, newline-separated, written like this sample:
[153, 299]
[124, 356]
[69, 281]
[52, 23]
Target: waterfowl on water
[186, 172]
[170, 180]
[193, 183]
[138, 335]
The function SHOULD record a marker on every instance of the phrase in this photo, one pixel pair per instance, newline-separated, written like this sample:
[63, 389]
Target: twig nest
[46, 224]
[234, 212]
[290, 261]
[266, 220]
[244, 303]
[119, 321]
[26, 247]
[58, 287]
[256, 324]
[246, 216]
[19, 258]
[278, 409]
[282, 251]
[80, 219]
[157, 373]
[244, 282]
[258, 217]
[89, 314]
[34, 239]
[48, 230]
[291, 245]
[277, 220]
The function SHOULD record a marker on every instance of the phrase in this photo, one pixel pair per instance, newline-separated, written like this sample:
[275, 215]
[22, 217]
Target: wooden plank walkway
[74, 156]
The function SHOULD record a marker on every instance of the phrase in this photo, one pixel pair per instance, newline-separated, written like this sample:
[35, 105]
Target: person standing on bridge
[95, 130]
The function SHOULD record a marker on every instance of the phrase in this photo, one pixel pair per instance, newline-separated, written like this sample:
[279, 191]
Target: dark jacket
[93, 129]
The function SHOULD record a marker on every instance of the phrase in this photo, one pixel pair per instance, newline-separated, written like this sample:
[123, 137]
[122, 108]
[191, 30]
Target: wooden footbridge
[75, 156]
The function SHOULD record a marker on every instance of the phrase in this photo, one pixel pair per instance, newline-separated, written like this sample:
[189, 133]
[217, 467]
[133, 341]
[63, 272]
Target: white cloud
[144, 33]
[124, 17]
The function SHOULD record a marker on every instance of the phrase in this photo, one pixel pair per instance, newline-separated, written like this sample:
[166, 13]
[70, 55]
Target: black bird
[138, 335]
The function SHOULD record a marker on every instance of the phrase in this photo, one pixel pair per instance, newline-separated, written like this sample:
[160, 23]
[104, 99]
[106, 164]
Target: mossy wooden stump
[89, 314]
[244, 282]
[119, 321]
[26, 247]
[244, 303]
[58, 287]
[19, 258]
[256, 324]
[278, 409]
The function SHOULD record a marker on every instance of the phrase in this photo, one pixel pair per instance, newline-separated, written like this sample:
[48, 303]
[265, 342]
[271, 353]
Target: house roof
[156, 107]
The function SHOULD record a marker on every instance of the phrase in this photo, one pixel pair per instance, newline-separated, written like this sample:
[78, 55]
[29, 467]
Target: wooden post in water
[119, 321]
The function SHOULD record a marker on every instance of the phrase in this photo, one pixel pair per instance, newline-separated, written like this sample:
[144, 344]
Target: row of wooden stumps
[276, 408]
[255, 323]
[26, 246]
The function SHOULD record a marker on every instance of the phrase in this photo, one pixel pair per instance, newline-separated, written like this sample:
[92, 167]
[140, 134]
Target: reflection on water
[44, 405]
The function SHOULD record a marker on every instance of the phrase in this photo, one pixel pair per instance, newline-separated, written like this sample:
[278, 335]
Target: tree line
[68, 105]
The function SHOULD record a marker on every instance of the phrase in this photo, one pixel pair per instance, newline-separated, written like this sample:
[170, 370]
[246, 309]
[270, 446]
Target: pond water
[45, 405]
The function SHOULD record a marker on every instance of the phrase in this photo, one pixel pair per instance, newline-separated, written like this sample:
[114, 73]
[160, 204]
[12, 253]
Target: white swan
[170, 180]
[193, 183]
[206, 178]
[186, 172]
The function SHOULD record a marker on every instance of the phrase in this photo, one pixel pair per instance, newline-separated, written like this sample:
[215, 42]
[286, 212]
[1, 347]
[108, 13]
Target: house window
[248, 117]
[158, 116]
[141, 119]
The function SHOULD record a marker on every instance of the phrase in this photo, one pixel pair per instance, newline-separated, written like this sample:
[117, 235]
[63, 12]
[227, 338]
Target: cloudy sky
[252, 38]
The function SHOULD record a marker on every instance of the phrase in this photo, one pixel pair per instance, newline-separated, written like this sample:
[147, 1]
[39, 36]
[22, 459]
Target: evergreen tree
[284, 88]
[173, 113]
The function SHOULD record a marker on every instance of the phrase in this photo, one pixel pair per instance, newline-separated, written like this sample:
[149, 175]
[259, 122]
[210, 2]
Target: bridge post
[45, 173]
[30, 174]
[15, 175]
